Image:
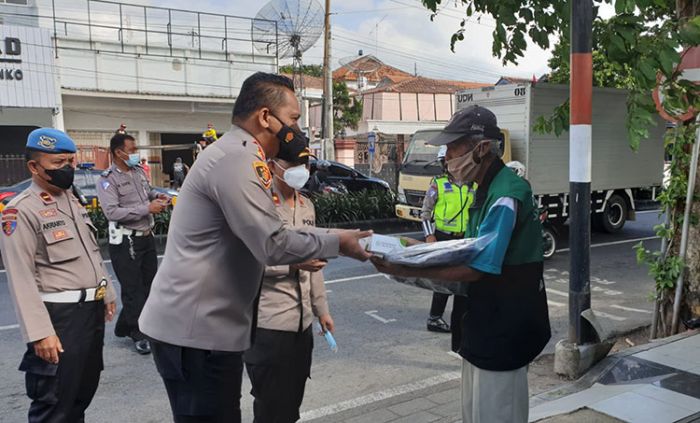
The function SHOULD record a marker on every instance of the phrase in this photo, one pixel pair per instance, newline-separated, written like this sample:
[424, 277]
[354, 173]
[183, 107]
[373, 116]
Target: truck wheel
[549, 239]
[614, 216]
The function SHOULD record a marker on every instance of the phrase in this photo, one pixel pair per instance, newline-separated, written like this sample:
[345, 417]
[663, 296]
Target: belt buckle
[101, 290]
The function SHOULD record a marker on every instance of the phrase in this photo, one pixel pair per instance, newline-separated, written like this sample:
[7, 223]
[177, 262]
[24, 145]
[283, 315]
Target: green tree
[642, 40]
[347, 110]
[311, 70]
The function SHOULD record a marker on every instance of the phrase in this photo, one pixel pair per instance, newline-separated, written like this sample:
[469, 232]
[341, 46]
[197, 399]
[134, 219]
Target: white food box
[381, 244]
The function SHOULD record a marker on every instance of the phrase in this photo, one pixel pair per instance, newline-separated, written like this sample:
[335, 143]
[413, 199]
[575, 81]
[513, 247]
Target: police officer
[129, 203]
[279, 362]
[504, 320]
[444, 215]
[58, 284]
[202, 309]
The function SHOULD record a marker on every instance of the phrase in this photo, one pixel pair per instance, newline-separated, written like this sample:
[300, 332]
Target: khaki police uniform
[279, 362]
[59, 286]
[124, 198]
[202, 308]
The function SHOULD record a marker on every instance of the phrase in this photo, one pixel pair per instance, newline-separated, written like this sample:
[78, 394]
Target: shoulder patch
[105, 184]
[8, 226]
[263, 173]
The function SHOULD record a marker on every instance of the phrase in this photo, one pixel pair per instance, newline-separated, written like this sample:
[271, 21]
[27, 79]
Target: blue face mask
[133, 160]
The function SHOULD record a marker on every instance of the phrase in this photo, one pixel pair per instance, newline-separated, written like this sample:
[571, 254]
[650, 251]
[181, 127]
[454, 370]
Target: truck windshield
[419, 152]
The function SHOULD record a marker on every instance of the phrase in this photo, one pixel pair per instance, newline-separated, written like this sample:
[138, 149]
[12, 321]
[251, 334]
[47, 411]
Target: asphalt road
[383, 345]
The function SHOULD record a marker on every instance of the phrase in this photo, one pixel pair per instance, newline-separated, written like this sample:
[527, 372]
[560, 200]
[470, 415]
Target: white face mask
[296, 177]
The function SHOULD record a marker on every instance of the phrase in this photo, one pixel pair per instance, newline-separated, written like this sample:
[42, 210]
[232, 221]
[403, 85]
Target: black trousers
[135, 276]
[437, 308]
[203, 386]
[278, 364]
[62, 392]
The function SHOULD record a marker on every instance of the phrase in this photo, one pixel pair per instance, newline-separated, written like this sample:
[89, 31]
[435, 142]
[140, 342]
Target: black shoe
[437, 324]
[142, 346]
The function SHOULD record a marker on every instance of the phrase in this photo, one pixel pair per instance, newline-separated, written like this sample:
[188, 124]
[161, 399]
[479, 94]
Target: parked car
[330, 176]
[85, 179]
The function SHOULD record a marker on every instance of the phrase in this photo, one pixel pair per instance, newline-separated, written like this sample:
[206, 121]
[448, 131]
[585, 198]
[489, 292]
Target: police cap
[49, 140]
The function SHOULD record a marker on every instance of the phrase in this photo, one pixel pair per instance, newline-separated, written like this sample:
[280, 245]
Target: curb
[592, 376]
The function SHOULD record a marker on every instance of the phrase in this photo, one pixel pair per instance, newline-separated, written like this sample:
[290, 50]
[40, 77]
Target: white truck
[619, 174]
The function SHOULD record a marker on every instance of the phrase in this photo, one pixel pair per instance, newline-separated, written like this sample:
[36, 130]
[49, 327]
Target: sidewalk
[656, 383]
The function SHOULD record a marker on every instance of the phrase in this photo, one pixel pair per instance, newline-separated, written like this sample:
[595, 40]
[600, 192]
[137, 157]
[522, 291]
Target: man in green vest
[504, 320]
[445, 214]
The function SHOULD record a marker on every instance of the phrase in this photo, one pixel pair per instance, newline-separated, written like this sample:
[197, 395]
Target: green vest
[503, 322]
[526, 242]
[451, 214]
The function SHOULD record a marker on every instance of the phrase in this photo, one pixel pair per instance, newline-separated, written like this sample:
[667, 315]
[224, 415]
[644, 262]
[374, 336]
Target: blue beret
[49, 140]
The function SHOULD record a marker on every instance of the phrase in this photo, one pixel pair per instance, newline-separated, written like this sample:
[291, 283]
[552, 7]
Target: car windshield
[85, 181]
[419, 151]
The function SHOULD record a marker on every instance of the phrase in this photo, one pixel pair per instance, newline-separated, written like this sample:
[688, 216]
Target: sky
[398, 32]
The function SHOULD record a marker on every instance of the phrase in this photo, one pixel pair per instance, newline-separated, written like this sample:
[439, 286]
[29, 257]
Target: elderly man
[504, 320]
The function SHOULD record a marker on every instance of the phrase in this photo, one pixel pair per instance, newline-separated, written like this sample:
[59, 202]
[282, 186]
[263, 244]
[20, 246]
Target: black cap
[475, 121]
[297, 158]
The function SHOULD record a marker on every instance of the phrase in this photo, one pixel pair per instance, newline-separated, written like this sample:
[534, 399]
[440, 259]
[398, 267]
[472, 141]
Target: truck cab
[419, 167]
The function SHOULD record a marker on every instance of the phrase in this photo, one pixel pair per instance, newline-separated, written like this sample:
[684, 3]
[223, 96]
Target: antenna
[294, 26]
[361, 66]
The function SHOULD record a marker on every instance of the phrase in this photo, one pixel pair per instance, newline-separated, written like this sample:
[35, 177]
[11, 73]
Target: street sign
[371, 139]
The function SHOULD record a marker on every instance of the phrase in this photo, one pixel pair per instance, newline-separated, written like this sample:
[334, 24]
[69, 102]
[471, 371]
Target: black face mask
[61, 178]
[292, 141]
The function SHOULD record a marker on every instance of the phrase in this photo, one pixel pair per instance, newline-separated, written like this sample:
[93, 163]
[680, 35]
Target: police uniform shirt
[125, 197]
[48, 245]
[289, 296]
[223, 232]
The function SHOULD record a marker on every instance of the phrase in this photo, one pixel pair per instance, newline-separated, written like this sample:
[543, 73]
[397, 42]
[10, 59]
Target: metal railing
[13, 168]
[159, 31]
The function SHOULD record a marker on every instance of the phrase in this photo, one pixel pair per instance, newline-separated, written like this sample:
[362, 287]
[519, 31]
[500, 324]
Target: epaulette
[106, 173]
[19, 197]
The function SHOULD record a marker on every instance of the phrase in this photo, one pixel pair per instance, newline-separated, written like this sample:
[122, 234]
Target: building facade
[88, 66]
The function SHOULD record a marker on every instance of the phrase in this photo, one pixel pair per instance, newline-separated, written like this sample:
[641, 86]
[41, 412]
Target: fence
[161, 31]
[13, 168]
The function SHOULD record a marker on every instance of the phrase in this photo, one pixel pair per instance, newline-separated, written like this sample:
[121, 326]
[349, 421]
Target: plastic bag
[443, 254]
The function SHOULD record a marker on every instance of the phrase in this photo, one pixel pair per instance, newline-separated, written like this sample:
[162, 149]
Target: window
[20, 2]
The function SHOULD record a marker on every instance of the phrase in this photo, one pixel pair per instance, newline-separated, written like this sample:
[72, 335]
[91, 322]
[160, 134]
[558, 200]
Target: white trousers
[494, 397]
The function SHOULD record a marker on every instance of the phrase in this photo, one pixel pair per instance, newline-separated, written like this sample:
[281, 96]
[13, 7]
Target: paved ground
[385, 354]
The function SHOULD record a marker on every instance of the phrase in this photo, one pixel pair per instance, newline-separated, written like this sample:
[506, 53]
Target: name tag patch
[53, 225]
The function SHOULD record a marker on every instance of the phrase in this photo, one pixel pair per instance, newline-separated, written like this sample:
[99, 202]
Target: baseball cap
[302, 157]
[50, 140]
[474, 121]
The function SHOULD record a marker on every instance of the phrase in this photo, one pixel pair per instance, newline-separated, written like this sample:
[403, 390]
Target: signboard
[371, 138]
[690, 67]
[27, 76]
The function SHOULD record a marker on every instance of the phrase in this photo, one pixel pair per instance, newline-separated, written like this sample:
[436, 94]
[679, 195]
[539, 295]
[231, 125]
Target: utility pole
[327, 147]
[580, 331]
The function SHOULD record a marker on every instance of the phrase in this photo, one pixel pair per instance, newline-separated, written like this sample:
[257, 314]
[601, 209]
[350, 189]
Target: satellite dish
[293, 25]
[361, 68]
